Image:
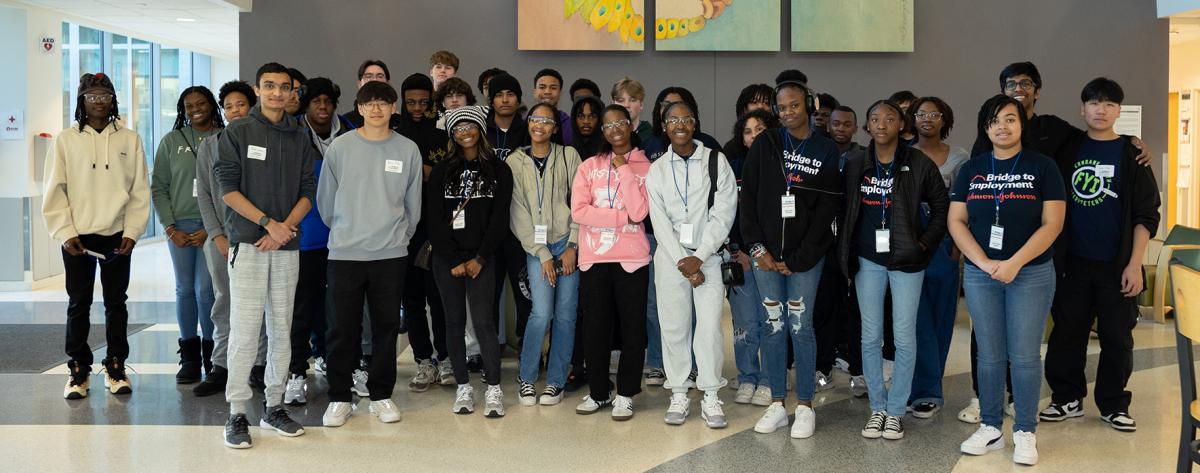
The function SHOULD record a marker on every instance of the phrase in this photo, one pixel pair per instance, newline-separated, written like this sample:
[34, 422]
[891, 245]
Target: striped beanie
[470, 113]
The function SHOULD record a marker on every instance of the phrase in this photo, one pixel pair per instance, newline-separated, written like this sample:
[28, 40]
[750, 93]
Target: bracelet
[757, 250]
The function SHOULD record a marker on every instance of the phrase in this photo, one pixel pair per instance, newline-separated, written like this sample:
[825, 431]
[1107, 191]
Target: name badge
[996, 241]
[608, 236]
[1105, 170]
[787, 206]
[195, 189]
[257, 153]
[460, 220]
[393, 165]
[539, 234]
[685, 234]
[883, 241]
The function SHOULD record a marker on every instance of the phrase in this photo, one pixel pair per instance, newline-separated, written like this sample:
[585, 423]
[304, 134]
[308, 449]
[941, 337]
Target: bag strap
[712, 177]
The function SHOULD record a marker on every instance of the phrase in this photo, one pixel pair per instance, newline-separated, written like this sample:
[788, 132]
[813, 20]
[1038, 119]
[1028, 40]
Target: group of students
[298, 233]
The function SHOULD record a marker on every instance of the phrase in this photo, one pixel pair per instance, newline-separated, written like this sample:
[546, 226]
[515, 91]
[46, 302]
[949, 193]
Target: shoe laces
[1024, 439]
[892, 423]
[278, 415]
[552, 391]
[678, 403]
[240, 424]
[527, 390]
[359, 376]
[622, 402]
[875, 422]
[115, 369]
[986, 432]
[465, 393]
[295, 382]
[493, 395]
[713, 405]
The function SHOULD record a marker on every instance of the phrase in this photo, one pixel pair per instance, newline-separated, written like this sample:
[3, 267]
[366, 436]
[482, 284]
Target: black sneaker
[213, 383]
[475, 364]
[256, 378]
[277, 419]
[1056, 412]
[237, 432]
[925, 410]
[1120, 421]
[892, 428]
[527, 395]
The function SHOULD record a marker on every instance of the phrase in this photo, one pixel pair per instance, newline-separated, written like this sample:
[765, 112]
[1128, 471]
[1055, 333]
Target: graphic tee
[877, 198]
[1008, 193]
[1094, 211]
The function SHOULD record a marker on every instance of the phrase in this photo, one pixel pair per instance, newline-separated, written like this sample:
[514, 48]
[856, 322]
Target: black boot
[257, 374]
[206, 349]
[189, 361]
[213, 383]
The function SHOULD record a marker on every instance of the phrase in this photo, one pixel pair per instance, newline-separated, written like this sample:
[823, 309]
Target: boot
[189, 361]
[206, 349]
[213, 383]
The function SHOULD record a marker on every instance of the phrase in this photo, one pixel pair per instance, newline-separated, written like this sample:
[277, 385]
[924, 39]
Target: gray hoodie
[269, 163]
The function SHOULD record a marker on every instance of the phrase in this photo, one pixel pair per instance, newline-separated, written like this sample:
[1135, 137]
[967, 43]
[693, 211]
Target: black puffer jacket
[917, 181]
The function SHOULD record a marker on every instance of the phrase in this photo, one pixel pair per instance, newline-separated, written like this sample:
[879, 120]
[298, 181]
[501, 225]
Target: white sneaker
[77, 386]
[858, 386]
[296, 393]
[774, 418]
[590, 406]
[762, 396]
[426, 374]
[711, 412]
[1025, 451]
[336, 414]
[320, 366]
[745, 393]
[985, 439]
[806, 422]
[970, 414]
[841, 364]
[360, 383]
[385, 410]
[677, 412]
[622, 408]
[493, 402]
[823, 382]
[464, 399]
[445, 373]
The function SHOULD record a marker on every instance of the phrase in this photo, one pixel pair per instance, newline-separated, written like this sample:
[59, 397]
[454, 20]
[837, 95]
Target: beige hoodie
[555, 209]
[96, 183]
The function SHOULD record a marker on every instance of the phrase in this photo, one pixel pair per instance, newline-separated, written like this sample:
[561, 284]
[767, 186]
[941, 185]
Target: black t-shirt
[1021, 184]
[876, 190]
[1094, 211]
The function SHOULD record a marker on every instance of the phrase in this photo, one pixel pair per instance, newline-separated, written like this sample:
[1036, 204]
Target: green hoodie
[173, 181]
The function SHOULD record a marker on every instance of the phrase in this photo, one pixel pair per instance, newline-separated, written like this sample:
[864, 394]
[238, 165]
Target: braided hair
[181, 118]
[86, 82]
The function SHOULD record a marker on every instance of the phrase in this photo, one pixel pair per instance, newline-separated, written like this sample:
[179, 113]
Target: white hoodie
[96, 183]
[671, 178]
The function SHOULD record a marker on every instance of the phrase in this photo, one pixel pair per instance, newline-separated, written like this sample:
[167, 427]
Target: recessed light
[186, 20]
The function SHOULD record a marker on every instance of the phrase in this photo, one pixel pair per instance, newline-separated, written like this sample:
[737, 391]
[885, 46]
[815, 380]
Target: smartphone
[94, 254]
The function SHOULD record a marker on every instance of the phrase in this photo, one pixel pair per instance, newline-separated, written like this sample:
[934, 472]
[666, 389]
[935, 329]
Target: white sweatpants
[676, 300]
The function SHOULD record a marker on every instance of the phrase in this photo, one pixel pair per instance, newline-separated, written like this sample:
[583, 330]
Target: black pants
[421, 290]
[81, 279]
[849, 329]
[510, 261]
[309, 318]
[611, 294]
[457, 294]
[1091, 291]
[828, 309]
[380, 283]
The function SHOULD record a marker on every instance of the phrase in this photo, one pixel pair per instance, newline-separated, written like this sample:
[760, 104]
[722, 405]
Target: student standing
[585, 124]
[631, 94]
[443, 65]
[547, 87]
[97, 203]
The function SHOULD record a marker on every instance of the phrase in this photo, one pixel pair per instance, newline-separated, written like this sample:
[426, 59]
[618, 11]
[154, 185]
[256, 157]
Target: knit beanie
[416, 81]
[470, 113]
[501, 82]
[95, 81]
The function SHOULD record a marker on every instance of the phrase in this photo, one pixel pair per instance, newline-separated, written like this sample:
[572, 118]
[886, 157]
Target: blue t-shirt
[875, 188]
[1094, 211]
[1020, 184]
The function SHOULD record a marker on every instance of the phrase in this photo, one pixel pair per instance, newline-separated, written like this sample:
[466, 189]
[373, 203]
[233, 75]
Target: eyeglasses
[97, 98]
[542, 121]
[375, 105]
[460, 129]
[929, 115]
[677, 121]
[413, 103]
[622, 123]
[1023, 84]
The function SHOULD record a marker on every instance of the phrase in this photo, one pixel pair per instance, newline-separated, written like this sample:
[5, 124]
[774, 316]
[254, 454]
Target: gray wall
[960, 47]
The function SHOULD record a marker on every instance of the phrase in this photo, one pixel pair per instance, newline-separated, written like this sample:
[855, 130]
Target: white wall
[1184, 66]
[223, 70]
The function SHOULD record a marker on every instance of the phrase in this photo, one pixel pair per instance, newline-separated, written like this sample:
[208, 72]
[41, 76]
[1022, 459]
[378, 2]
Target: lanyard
[502, 143]
[540, 178]
[883, 192]
[612, 169]
[787, 139]
[189, 143]
[687, 180]
[995, 193]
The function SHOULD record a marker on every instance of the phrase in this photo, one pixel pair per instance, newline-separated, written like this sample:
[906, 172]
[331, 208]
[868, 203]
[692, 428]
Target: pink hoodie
[604, 200]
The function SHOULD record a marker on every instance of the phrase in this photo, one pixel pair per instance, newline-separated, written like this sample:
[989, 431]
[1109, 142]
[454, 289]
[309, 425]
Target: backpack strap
[712, 177]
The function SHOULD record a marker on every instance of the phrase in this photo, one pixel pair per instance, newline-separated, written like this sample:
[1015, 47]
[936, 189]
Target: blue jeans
[551, 306]
[654, 357]
[872, 281]
[935, 325]
[748, 316]
[797, 291]
[1009, 321]
[193, 286]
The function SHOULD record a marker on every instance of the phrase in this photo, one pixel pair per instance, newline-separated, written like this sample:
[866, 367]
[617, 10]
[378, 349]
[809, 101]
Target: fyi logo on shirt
[1091, 183]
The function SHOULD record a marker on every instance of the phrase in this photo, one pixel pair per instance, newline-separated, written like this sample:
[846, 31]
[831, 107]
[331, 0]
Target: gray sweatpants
[260, 281]
[218, 268]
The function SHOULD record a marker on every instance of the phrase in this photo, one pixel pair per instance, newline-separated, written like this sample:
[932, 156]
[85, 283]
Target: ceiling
[1185, 27]
[212, 29]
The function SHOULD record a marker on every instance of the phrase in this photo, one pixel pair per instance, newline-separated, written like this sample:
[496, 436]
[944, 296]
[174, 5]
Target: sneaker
[493, 402]
[213, 383]
[925, 409]
[445, 374]
[464, 399]
[656, 377]
[1056, 412]
[622, 408]
[858, 386]
[678, 411]
[691, 381]
[1120, 421]
[824, 381]
[970, 414]
[1025, 448]
[806, 422]
[984, 439]
[874, 427]
[712, 413]
[77, 382]
[360, 383]
[551, 396]
[841, 364]
[590, 406]
[526, 394]
[893, 429]
[277, 419]
[774, 418]
[296, 392]
[745, 393]
[114, 377]
[336, 414]
[320, 366]
[257, 380]
[385, 410]
[426, 374]
[475, 364]
[762, 396]
[237, 432]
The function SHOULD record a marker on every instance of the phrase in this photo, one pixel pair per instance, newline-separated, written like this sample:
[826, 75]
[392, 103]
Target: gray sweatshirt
[370, 196]
[208, 193]
[672, 181]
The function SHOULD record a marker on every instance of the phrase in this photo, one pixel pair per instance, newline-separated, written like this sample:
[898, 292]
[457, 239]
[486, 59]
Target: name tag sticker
[883, 241]
[539, 234]
[1105, 170]
[393, 165]
[460, 220]
[257, 153]
[787, 205]
[685, 234]
[996, 241]
[195, 190]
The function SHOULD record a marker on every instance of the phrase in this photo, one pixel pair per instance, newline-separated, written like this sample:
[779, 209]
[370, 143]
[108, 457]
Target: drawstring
[235, 253]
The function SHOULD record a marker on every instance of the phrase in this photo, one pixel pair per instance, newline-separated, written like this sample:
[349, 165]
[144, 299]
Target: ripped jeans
[795, 293]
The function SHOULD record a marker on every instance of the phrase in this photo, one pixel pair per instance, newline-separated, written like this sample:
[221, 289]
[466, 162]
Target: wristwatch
[573, 246]
[262, 222]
